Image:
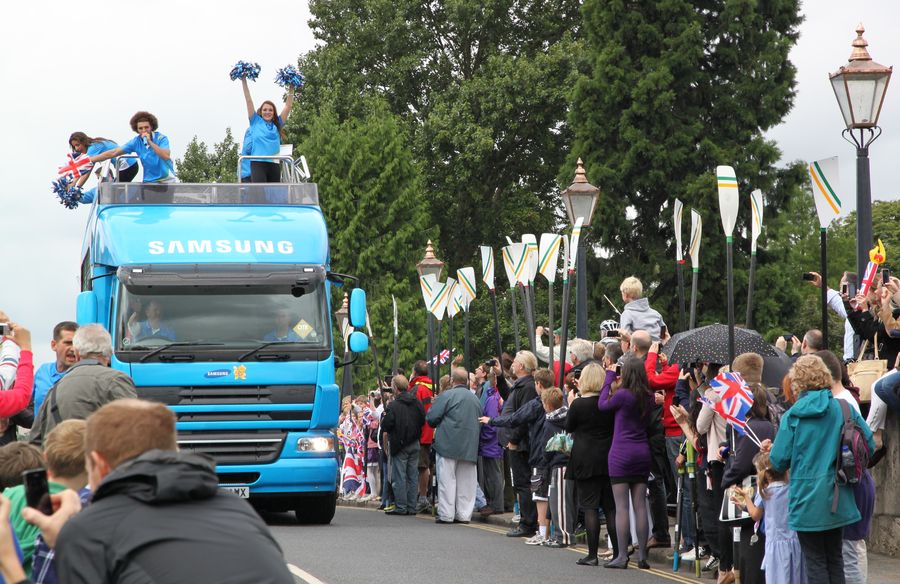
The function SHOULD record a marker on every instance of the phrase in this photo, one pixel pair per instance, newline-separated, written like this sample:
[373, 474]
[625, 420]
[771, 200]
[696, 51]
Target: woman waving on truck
[265, 134]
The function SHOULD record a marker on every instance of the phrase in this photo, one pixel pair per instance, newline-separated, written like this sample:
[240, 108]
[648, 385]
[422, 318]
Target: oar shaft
[497, 338]
[749, 320]
[730, 274]
[824, 250]
[694, 284]
[563, 337]
[680, 271]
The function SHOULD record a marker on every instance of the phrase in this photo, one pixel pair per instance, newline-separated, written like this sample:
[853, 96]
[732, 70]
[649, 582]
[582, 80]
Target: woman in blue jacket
[265, 134]
[807, 443]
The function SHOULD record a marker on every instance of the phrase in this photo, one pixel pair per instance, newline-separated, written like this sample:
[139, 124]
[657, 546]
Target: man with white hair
[89, 384]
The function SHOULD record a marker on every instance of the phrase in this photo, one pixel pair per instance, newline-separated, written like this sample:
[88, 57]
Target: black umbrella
[709, 344]
[775, 367]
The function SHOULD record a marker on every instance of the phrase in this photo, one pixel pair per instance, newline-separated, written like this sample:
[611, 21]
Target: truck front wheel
[316, 510]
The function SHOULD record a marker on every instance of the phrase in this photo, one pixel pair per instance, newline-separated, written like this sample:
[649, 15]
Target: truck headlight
[317, 444]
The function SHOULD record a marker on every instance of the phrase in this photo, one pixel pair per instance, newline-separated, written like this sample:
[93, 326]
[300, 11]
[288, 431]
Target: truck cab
[218, 299]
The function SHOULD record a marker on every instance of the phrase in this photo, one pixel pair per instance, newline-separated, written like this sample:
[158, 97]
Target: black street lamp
[431, 265]
[580, 199]
[860, 87]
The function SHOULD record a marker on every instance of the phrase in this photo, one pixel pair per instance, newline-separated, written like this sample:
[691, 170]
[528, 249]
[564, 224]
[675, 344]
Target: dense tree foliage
[200, 165]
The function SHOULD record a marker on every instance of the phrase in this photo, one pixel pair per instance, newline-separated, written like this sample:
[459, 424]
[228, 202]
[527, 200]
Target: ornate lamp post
[580, 199]
[860, 87]
[433, 266]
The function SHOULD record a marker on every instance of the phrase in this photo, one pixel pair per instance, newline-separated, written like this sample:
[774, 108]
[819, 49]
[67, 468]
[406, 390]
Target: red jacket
[16, 399]
[665, 380]
[421, 387]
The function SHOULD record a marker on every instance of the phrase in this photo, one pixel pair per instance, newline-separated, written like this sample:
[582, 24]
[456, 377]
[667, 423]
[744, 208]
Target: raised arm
[288, 104]
[250, 109]
[107, 155]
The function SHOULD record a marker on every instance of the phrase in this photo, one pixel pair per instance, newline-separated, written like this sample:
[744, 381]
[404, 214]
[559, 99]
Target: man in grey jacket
[455, 415]
[88, 385]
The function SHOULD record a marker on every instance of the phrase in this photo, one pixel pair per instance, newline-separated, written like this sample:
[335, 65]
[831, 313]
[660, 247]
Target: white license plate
[242, 492]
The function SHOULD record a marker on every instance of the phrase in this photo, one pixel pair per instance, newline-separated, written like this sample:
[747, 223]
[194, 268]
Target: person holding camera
[18, 369]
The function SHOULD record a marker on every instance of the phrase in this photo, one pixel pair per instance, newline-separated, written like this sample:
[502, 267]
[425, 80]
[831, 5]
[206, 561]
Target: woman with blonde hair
[808, 432]
[592, 432]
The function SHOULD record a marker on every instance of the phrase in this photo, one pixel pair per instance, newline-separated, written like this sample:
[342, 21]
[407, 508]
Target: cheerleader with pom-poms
[81, 143]
[266, 125]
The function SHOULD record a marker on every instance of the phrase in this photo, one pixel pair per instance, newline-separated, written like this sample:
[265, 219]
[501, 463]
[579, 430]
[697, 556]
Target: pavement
[882, 569]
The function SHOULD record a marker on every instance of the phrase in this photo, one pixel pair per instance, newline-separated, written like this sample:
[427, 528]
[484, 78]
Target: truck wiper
[263, 346]
[178, 344]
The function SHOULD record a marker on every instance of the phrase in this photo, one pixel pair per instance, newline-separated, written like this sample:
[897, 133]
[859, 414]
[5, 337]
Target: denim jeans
[405, 479]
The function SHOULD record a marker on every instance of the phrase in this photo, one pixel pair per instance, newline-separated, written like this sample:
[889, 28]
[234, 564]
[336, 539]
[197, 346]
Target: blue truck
[218, 299]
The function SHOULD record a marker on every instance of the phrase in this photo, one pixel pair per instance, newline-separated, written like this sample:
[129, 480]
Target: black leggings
[592, 516]
[265, 172]
[638, 493]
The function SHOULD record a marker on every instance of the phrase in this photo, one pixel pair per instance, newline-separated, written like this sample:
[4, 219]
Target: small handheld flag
[76, 166]
[877, 256]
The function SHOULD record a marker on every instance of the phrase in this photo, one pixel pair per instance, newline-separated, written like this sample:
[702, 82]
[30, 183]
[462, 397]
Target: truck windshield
[236, 318]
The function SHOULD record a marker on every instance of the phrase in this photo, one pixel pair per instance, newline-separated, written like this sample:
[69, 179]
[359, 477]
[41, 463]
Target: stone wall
[884, 537]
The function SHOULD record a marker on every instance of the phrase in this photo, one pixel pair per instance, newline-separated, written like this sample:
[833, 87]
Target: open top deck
[121, 193]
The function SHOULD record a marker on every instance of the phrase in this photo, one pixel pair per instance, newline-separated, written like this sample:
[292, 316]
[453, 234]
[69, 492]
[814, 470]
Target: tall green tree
[370, 190]
[482, 89]
[673, 89]
[200, 165]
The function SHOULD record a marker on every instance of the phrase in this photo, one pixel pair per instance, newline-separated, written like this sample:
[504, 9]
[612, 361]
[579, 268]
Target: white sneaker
[688, 556]
[516, 518]
[536, 539]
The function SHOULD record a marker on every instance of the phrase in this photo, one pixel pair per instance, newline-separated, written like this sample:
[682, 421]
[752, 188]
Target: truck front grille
[234, 447]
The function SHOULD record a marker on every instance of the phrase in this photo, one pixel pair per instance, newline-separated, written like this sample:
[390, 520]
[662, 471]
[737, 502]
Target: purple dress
[630, 452]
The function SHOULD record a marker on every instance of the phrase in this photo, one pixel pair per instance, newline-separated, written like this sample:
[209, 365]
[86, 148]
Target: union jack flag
[76, 166]
[868, 278]
[735, 399]
[442, 358]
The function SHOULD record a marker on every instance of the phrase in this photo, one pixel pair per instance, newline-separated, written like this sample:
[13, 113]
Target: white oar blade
[548, 255]
[696, 233]
[729, 201]
[428, 284]
[826, 187]
[466, 281]
[676, 220]
[576, 235]
[530, 242]
[487, 266]
[756, 207]
[508, 265]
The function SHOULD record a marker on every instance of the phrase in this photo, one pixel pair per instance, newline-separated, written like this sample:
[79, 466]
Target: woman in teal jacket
[807, 444]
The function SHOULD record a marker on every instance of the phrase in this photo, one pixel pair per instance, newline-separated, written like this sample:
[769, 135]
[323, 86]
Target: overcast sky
[90, 67]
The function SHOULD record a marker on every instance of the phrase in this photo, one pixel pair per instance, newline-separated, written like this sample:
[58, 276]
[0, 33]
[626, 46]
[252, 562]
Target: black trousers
[726, 552]
[521, 473]
[823, 552]
[658, 512]
[265, 172]
[751, 556]
[128, 174]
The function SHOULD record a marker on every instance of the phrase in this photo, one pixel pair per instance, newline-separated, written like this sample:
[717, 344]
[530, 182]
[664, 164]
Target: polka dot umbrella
[709, 344]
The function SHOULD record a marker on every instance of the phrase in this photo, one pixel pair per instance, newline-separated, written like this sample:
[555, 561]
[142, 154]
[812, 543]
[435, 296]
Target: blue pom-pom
[69, 196]
[245, 70]
[289, 77]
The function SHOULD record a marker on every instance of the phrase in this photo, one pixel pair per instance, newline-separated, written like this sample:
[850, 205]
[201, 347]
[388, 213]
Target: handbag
[864, 373]
[731, 512]
[560, 442]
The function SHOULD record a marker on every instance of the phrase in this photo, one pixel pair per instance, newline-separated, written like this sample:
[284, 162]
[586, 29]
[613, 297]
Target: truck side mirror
[86, 308]
[358, 308]
[359, 342]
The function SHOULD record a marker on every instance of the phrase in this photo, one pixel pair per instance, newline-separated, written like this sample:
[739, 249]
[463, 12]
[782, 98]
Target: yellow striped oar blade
[427, 284]
[696, 234]
[678, 214]
[487, 266]
[466, 281]
[576, 235]
[531, 243]
[508, 265]
[729, 200]
[548, 255]
[756, 208]
[826, 185]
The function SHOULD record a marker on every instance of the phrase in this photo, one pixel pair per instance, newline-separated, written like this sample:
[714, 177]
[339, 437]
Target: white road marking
[306, 576]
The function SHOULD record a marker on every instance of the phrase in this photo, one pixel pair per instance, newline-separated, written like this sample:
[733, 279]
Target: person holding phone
[838, 302]
[151, 147]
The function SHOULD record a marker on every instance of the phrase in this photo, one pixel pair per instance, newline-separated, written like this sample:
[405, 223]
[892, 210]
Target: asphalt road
[363, 545]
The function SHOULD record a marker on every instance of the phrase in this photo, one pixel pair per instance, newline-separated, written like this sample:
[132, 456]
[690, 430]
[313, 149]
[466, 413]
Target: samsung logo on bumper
[218, 373]
[202, 246]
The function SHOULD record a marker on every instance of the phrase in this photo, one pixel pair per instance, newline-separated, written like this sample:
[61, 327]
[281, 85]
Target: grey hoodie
[638, 316]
